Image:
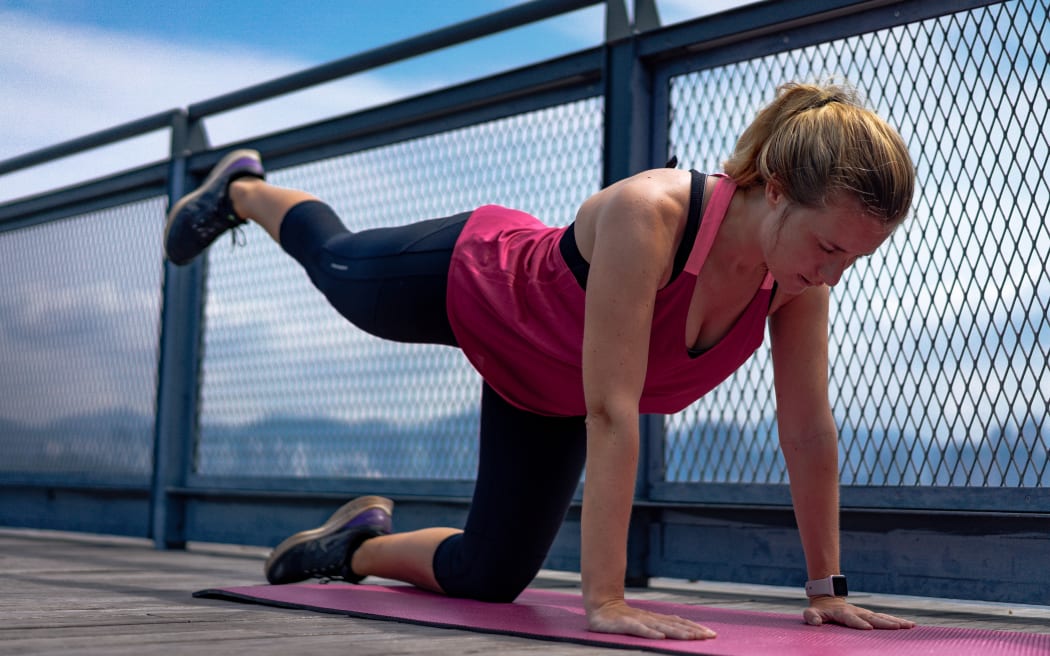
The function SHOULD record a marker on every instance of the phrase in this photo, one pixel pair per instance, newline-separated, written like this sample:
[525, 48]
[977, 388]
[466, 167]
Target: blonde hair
[816, 141]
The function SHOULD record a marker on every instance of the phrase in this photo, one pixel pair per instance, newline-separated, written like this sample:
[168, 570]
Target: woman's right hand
[617, 617]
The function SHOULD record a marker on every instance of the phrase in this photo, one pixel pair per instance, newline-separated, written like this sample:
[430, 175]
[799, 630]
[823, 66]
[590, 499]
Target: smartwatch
[832, 586]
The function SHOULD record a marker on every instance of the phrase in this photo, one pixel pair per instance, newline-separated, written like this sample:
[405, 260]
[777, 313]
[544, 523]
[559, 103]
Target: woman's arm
[634, 240]
[808, 436]
[809, 441]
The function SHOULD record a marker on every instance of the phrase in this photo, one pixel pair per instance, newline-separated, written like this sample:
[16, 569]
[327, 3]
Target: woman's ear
[774, 192]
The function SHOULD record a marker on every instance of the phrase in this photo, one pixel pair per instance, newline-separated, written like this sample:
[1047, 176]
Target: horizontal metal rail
[93, 195]
[136, 128]
[486, 25]
[745, 24]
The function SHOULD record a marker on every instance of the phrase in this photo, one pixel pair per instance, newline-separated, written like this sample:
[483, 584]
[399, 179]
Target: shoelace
[207, 231]
[237, 236]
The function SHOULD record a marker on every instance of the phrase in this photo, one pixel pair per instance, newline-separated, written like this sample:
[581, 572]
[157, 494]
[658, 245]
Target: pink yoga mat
[549, 615]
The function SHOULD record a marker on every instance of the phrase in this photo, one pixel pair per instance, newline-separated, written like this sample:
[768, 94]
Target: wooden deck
[66, 594]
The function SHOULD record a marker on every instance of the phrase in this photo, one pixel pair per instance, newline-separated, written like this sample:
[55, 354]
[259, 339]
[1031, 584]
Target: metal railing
[225, 401]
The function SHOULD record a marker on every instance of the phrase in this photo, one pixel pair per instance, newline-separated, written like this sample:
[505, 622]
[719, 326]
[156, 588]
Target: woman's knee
[499, 587]
[495, 589]
[472, 571]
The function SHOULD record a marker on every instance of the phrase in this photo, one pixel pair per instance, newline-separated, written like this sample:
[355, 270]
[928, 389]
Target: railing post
[627, 100]
[646, 16]
[179, 354]
[627, 148]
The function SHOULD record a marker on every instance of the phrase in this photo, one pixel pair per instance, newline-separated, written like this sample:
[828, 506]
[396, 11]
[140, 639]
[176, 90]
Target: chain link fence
[290, 388]
[940, 342]
[79, 312]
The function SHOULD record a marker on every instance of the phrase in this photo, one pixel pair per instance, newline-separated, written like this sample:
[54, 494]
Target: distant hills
[120, 442]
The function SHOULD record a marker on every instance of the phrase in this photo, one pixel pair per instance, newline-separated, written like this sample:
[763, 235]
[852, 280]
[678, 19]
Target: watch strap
[830, 586]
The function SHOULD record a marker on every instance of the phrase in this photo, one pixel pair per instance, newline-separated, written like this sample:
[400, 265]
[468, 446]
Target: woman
[659, 290]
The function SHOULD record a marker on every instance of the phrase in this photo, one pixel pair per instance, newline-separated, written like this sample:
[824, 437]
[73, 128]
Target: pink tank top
[517, 312]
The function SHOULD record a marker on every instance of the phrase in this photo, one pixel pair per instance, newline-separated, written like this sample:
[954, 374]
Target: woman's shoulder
[655, 193]
[656, 184]
[659, 197]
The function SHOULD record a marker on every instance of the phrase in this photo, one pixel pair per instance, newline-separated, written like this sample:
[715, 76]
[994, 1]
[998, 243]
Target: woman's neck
[738, 246]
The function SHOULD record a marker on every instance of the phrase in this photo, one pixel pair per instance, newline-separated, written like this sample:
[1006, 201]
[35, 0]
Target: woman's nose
[831, 273]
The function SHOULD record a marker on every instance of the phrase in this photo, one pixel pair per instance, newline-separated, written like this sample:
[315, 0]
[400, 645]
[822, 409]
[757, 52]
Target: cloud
[63, 82]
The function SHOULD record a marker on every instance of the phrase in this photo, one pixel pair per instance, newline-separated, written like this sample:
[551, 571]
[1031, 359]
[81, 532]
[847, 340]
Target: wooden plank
[67, 593]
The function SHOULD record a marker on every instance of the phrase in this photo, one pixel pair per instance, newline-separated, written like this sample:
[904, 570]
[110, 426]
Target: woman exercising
[661, 288]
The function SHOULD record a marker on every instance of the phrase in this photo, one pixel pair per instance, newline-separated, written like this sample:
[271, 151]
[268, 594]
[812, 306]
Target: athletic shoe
[205, 213]
[326, 551]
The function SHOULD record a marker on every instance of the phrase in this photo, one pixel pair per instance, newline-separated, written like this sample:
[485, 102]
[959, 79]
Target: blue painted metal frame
[178, 370]
[746, 531]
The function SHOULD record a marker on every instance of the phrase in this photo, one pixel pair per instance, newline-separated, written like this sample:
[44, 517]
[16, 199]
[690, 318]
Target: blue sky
[72, 67]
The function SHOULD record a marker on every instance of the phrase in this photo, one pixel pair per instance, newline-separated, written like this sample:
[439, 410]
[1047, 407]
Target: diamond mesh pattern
[79, 311]
[940, 342]
[290, 388]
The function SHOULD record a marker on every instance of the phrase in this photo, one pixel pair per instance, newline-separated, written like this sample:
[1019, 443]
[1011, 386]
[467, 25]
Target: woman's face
[809, 246]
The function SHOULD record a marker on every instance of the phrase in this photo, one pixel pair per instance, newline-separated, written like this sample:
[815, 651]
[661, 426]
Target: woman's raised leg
[265, 204]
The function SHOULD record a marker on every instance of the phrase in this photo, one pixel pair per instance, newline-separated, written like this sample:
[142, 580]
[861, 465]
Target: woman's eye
[826, 249]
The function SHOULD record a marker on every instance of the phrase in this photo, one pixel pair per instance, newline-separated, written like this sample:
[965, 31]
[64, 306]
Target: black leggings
[392, 282]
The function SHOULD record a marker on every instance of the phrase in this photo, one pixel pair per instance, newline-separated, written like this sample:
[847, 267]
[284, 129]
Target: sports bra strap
[692, 224]
[717, 206]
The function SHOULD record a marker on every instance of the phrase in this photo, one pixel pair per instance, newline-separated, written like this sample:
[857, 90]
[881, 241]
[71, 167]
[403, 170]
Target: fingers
[854, 621]
[645, 624]
[654, 625]
[681, 629]
[884, 621]
[855, 618]
[642, 630]
[863, 619]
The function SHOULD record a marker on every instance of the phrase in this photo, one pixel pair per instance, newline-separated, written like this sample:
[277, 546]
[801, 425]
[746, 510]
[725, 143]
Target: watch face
[838, 584]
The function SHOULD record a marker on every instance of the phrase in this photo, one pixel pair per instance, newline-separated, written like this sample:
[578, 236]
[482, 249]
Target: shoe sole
[217, 171]
[338, 519]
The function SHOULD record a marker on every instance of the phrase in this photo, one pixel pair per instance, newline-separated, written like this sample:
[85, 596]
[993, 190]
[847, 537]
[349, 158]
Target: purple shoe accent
[247, 166]
[374, 518]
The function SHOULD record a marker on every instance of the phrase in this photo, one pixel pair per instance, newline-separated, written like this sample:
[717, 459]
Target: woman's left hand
[839, 611]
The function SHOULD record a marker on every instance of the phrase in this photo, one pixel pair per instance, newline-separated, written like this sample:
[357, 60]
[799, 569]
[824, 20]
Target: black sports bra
[570, 252]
